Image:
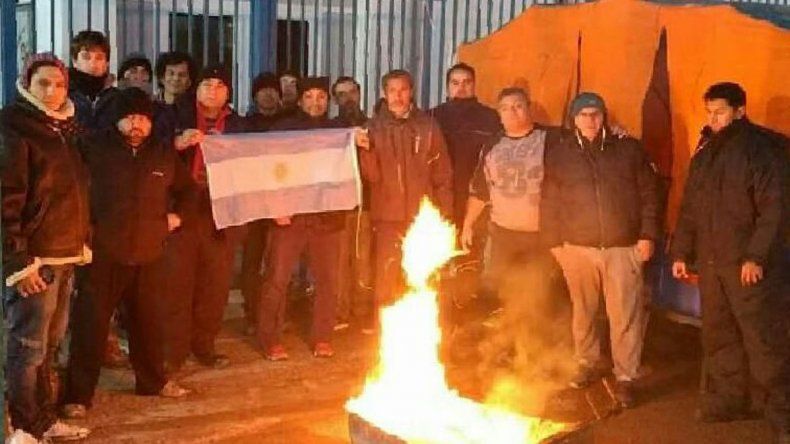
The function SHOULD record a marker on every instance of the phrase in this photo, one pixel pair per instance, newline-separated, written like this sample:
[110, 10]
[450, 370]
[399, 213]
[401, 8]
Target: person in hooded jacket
[200, 257]
[317, 235]
[45, 226]
[600, 216]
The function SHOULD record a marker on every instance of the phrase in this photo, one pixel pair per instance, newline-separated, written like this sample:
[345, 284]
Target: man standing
[317, 235]
[467, 126]
[731, 223]
[508, 178]
[267, 102]
[404, 159]
[175, 74]
[90, 82]
[600, 215]
[289, 89]
[355, 295]
[135, 181]
[266, 99]
[200, 256]
[45, 224]
[135, 71]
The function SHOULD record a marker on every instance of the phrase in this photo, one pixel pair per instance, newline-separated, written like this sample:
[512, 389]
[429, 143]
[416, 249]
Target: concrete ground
[301, 400]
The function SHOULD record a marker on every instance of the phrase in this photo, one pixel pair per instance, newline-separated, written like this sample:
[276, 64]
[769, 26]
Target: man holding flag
[316, 234]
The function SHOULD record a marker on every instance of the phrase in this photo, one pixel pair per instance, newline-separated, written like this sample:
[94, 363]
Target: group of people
[105, 197]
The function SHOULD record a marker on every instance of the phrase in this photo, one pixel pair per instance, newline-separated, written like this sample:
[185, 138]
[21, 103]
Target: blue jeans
[36, 326]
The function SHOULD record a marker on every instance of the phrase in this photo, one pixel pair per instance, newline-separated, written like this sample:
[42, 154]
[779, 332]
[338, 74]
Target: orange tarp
[619, 44]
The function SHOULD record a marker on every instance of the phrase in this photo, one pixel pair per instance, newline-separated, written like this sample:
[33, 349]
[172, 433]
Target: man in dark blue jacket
[732, 226]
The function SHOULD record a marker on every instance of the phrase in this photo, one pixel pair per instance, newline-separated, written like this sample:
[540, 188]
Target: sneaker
[277, 353]
[74, 411]
[60, 431]
[585, 376]
[22, 437]
[341, 325]
[214, 360]
[323, 350]
[172, 390]
[624, 394]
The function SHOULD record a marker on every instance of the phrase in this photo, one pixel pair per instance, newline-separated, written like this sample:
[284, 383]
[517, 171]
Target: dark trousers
[140, 288]
[744, 333]
[36, 326]
[508, 249]
[286, 246]
[389, 280]
[355, 277]
[200, 270]
[251, 262]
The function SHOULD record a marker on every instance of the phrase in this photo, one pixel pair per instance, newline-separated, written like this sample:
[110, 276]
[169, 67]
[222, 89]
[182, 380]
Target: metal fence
[360, 38]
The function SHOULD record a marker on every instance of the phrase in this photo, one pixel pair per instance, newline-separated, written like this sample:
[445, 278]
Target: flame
[407, 394]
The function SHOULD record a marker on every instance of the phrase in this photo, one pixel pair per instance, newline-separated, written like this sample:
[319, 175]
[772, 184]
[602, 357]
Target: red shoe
[323, 350]
[277, 353]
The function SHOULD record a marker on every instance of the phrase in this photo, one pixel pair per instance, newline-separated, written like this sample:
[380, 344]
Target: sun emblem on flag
[280, 171]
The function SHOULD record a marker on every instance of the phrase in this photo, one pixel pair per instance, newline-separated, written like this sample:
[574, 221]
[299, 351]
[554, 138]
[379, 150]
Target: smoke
[527, 354]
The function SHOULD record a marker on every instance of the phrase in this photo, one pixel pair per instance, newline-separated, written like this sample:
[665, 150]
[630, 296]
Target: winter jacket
[467, 126]
[330, 220]
[131, 194]
[734, 206]
[407, 161]
[598, 194]
[45, 210]
[257, 122]
[95, 110]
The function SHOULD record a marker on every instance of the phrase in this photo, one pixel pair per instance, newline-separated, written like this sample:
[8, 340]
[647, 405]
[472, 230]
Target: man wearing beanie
[140, 193]
[317, 235]
[200, 257]
[90, 83]
[135, 71]
[600, 210]
[45, 225]
[267, 102]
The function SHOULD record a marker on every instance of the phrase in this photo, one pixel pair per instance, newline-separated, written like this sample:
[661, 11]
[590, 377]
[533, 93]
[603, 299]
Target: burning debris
[407, 396]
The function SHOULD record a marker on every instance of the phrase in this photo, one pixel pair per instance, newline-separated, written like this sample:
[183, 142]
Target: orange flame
[407, 395]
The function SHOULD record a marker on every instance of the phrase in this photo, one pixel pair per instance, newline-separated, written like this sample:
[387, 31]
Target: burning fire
[407, 394]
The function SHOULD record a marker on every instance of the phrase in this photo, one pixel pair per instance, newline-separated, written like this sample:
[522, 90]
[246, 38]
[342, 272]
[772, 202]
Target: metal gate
[360, 38]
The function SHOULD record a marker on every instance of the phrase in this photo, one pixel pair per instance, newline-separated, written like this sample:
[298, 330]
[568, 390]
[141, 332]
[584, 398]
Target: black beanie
[308, 83]
[133, 101]
[135, 59]
[266, 80]
[216, 72]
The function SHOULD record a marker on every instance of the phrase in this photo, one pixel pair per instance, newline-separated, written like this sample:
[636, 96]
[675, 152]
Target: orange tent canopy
[651, 62]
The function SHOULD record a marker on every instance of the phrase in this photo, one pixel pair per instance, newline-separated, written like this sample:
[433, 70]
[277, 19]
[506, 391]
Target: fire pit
[406, 398]
[363, 432]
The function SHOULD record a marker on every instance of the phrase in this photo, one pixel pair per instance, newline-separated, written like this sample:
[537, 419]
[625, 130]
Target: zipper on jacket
[596, 179]
[80, 204]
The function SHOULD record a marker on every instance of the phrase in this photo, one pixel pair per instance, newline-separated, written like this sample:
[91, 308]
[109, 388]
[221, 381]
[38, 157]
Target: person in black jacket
[355, 274]
[600, 215]
[90, 82]
[730, 226]
[45, 226]
[140, 192]
[316, 234]
[200, 257]
[266, 113]
[467, 126]
[175, 77]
